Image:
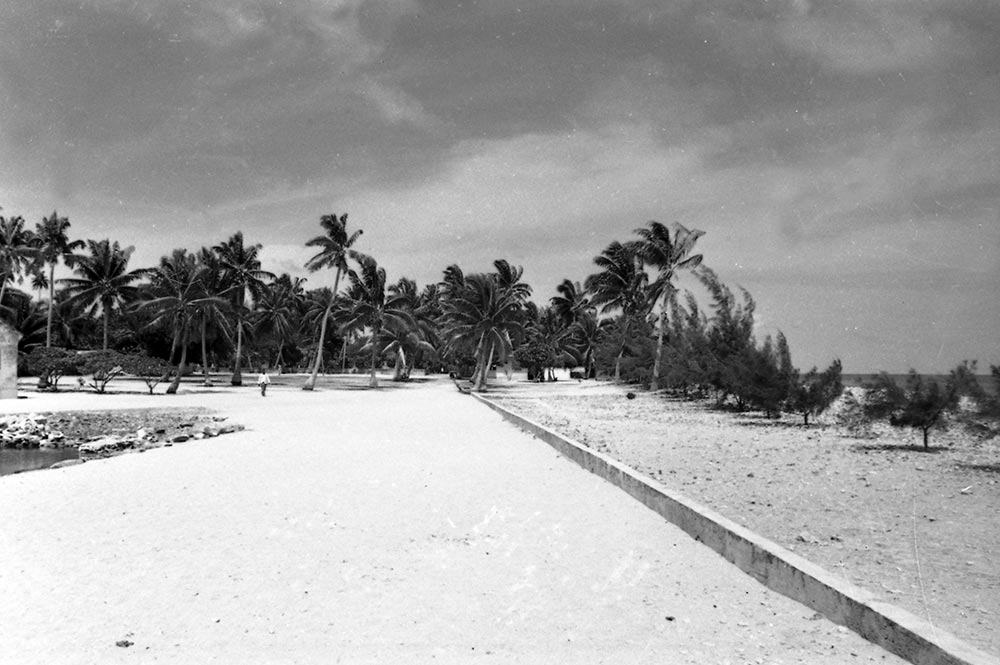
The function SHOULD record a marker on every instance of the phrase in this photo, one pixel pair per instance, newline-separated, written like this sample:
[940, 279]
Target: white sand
[405, 525]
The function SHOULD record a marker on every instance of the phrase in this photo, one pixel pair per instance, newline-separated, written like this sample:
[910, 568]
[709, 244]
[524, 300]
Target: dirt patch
[919, 529]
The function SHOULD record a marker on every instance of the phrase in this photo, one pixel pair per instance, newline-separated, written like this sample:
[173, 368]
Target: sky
[842, 156]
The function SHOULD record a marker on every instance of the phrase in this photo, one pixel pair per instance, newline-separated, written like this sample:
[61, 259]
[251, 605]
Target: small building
[9, 337]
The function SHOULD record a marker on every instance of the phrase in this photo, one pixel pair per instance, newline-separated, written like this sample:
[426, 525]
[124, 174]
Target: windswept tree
[920, 403]
[334, 251]
[484, 311]
[372, 310]
[245, 281]
[18, 251]
[54, 245]
[667, 254]
[103, 283]
[813, 393]
[620, 287]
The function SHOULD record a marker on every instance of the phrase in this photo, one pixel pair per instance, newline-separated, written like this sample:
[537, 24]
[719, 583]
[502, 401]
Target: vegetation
[629, 320]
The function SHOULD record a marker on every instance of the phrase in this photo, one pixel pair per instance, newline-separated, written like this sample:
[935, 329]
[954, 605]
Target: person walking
[263, 381]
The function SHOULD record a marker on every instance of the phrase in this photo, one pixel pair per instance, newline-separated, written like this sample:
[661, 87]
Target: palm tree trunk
[400, 369]
[374, 380]
[204, 349]
[237, 379]
[480, 385]
[107, 320]
[654, 383]
[311, 381]
[172, 388]
[52, 298]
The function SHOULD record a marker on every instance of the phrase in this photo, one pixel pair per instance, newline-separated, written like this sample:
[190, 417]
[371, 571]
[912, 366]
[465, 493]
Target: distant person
[263, 381]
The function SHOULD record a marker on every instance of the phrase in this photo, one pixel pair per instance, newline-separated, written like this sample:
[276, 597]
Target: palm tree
[245, 284]
[484, 311]
[667, 255]
[407, 343]
[278, 311]
[214, 309]
[104, 283]
[53, 245]
[317, 305]
[18, 251]
[334, 250]
[571, 303]
[177, 298]
[369, 308]
[620, 286]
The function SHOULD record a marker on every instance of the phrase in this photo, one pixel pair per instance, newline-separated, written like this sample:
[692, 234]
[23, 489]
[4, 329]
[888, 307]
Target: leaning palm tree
[245, 283]
[667, 255]
[213, 311]
[334, 250]
[54, 244]
[18, 251]
[104, 282]
[370, 308]
[620, 286]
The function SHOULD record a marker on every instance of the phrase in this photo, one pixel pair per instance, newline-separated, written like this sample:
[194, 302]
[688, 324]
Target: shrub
[920, 404]
[51, 364]
[813, 393]
[103, 366]
[151, 370]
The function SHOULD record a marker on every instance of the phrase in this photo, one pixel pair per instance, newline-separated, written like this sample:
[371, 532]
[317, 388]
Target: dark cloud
[808, 137]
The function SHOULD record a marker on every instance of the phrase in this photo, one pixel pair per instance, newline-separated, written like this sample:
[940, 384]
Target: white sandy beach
[408, 524]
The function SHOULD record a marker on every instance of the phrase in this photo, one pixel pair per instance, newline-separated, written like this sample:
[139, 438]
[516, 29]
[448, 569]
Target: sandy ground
[408, 524]
[919, 529]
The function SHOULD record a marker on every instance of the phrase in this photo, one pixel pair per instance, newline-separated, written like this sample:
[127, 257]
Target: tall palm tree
[54, 244]
[484, 311]
[370, 308]
[18, 251]
[620, 286]
[667, 254]
[245, 284]
[213, 311]
[318, 304]
[334, 250]
[104, 283]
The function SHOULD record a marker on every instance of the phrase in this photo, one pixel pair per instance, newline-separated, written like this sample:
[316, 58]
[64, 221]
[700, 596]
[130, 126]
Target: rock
[101, 446]
[806, 537]
[66, 462]
[179, 438]
[210, 431]
[230, 428]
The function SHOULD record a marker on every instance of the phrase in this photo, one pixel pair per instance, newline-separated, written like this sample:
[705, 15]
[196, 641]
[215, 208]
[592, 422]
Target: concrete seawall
[881, 623]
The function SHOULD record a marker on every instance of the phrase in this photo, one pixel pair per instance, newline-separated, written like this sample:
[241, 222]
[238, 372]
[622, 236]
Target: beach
[918, 529]
[407, 524]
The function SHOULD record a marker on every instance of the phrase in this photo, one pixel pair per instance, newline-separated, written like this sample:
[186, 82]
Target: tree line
[218, 306]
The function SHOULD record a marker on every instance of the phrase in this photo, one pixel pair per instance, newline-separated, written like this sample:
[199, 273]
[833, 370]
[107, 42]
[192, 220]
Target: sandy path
[406, 525]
